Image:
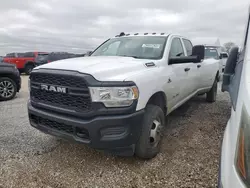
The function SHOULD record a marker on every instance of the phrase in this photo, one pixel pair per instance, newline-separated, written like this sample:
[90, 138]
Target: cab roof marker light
[153, 33]
[136, 33]
[162, 33]
[145, 33]
[122, 34]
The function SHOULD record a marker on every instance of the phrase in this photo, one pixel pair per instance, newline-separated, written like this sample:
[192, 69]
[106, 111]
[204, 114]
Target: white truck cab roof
[159, 34]
[117, 67]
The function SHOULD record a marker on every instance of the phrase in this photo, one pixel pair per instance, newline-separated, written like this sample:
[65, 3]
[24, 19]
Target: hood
[104, 68]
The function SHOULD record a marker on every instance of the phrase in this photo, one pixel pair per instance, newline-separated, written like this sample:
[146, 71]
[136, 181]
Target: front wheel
[149, 142]
[212, 94]
[8, 89]
[28, 68]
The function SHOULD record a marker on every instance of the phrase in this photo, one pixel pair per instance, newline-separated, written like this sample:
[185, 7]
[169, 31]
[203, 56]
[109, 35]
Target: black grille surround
[77, 101]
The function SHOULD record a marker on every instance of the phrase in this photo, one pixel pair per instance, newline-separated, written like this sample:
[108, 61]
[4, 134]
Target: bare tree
[228, 46]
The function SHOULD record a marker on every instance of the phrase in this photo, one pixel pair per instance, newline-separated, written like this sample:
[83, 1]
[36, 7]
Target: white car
[235, 153]
[213, 52]
[117, 98]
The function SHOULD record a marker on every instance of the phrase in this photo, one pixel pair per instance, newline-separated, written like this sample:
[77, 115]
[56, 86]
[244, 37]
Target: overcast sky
[80, 25]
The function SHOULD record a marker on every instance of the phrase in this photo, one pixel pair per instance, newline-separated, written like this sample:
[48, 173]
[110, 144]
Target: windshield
[142, 47]
[224, 55]
[211, 53]
[58, 56]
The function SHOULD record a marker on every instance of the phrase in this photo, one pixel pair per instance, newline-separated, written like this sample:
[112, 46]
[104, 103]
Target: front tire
[28, 68]
[149, 142]
[8, 89]
[212, 94]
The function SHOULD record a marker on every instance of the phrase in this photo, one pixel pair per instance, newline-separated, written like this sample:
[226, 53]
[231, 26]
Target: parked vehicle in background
[24, 62]
[53, 56]
[79, 55]
[117, 98]
[235, 153]
[212, 52]
[224, 56]
[10, 81]
[1, 59]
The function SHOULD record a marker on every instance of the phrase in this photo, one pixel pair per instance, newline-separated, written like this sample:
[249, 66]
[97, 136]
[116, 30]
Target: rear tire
[212, 94]
[8, 89]
[28, 68]
[149, 143]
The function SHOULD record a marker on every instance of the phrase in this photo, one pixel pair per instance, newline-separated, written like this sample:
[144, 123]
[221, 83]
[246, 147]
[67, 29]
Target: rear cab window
[41, 57]
[29, 54]
[20, 54]
[11, 55]
[211, 52]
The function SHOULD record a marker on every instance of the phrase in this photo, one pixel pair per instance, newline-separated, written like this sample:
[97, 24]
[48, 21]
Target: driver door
[182, 78]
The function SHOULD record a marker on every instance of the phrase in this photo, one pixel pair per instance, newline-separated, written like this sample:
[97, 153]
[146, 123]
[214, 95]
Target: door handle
[186, 69]
[198, 66]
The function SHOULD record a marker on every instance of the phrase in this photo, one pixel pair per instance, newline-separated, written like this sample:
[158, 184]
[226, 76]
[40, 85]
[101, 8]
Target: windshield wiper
[130, 56]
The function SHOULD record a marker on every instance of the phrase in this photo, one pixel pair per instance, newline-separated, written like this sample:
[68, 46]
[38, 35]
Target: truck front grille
[77, 97]
[59, 79]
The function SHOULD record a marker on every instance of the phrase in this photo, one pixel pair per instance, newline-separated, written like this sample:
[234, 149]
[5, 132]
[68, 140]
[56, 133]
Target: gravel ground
[189, 156]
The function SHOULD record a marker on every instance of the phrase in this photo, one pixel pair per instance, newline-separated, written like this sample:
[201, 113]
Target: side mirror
[229, 68]
[221, 56]
[198, 53]
[187, 59]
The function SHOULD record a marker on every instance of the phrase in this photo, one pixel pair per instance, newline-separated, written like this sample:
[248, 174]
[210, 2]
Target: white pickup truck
[117, 98]
[234, 168]
[213, 52]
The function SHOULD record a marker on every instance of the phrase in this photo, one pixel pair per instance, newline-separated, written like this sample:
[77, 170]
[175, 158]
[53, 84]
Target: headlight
[243, 148]
[114, 96]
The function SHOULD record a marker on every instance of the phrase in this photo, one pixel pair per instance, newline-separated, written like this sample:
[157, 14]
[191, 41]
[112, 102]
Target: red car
[24, 62]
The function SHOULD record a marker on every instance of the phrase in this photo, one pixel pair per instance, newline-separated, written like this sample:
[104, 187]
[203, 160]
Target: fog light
[113, 132]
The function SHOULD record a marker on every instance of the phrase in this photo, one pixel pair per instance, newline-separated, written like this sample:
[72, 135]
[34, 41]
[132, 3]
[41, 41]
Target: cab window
[176, 49]
[188, 45]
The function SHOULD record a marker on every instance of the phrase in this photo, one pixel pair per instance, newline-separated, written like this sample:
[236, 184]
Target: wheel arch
[29, 63]
[159, 99]
[8, 75]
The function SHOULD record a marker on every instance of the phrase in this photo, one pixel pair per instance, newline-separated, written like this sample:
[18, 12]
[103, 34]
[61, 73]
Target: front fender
[149, 83]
